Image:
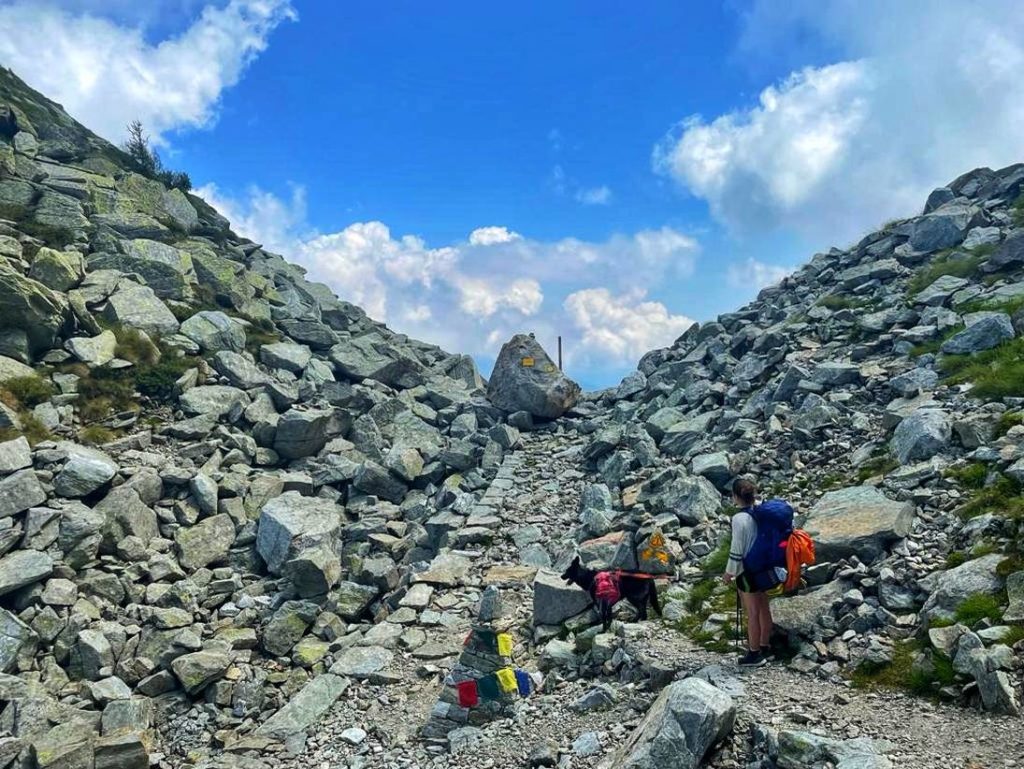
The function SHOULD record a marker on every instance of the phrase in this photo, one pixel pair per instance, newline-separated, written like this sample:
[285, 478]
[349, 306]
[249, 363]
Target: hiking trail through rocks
[530, 511]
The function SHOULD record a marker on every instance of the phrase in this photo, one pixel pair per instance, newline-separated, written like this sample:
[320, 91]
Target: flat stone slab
[305, 708]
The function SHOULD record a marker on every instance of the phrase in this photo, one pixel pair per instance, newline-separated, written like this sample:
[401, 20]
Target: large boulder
[525, 379]
[292, 523]
[205, 543]
[139, 307]
[1009, 254]
[302, 432]
[684, 723]
[984, 331]
[858, 520]
[14, 635]
[19, 492]
[305, 708]
[28, 305]
[86, 471]
[943, 228]
[922, 435]
[370, 357]
[22, 568]
[214, 331]
[59, 270]
[167, 270]
[798, 615]
[554, 600]
[693, 499]
[948, 589]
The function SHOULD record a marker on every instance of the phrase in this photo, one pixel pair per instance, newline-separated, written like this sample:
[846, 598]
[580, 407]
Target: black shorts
[743, 584]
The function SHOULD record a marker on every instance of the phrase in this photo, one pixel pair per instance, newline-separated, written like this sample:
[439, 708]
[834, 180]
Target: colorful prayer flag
[468, 695]
[488, 687]
[524, 682]
[507, 680]
[505, 644]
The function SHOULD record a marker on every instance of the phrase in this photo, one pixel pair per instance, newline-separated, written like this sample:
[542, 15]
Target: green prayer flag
[488, 687]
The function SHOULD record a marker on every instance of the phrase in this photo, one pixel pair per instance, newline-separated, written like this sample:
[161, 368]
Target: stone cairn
[479, 660]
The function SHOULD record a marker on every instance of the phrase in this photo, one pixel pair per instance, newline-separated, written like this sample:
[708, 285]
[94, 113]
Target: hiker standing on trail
[754, 580]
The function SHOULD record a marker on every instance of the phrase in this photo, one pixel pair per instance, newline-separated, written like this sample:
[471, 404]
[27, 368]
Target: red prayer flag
[468, 696]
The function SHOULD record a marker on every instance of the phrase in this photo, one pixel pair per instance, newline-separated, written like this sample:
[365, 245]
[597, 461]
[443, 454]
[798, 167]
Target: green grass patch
[27, 391]
[1007, 421]
[971, 476]
[956, 263]
[879, 465]
[836, 302]
[1002, 497]
[257, 336]
[136, 347]
[904, 673]
[978, 607]
[1017, 210]
[1009, 306]
[97, 435]
[157, 381]
[715, 562]
[104, 391]
[33, 430]
[1010, 565]
[995, 373]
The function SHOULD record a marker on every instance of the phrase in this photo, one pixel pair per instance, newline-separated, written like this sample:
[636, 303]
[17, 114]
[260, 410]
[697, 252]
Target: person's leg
[753, 620]
[764, 621]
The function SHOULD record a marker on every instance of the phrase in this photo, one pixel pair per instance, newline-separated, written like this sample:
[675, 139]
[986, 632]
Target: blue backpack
[774, 519]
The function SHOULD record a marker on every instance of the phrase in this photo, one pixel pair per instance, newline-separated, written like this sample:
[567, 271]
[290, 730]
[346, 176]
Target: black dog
[638, 590]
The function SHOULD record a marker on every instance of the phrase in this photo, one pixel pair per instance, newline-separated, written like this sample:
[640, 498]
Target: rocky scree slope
[232, 505]
[211, 469]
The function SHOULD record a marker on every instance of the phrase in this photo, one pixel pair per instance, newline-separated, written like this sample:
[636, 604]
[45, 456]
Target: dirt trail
[536, 497]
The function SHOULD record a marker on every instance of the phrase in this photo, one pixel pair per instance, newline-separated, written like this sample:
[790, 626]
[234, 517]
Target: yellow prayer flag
[504, 645]
[507, 680]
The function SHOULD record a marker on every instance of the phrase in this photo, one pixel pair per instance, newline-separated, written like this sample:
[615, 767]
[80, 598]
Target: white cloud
[594, 196]
[620, 328]
[923, 92]
[753, 274]
[473, 295]
[107, 75]
[490, 236]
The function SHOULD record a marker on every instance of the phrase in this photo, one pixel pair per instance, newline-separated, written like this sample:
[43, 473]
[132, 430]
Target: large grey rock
[302, 432]
[139, 307]
[214, 331]
[59, 270]
[166, 269]
[93, 350]
[14, 636]
[693, 499]
[798, 615]
[859, 520]
[19, 492]
[213, 400]
[984, 331]
[239, 369]
[314, 571]
[880, 269]
[1015, 595]
[371, 478]
[292, 523]
[23, 567]
[943, 228]
[941, 290]
[198, 670]
[922, 435]
[15, 455]
[684, 723]
[370, 357]
[803, 750]
[287, 626]
[525, 379]
[28, 305]
[86, 471]
[286, 355]
[1010, 254]
[305, 708]
[948, 589]
[205, 543]
[362, 661]
[684, 435]
[554, 600]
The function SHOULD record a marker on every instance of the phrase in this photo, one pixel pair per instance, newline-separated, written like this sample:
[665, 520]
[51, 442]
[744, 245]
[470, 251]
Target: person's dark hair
[744, 490]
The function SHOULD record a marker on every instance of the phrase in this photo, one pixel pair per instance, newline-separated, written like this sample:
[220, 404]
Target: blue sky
[607, 173]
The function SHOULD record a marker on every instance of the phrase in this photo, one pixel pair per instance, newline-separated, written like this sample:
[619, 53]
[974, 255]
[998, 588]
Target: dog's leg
[654, 599]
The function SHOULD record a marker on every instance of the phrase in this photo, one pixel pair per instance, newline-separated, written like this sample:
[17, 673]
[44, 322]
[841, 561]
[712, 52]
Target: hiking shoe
[752, 660]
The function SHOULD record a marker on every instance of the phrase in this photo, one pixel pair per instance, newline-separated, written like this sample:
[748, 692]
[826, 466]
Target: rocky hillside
[244, 525]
